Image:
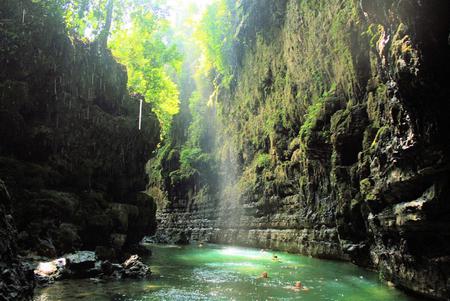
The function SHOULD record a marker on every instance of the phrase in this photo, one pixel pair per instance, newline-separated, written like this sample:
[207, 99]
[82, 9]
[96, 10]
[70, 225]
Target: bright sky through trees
[177, 5]
[151, 38]
[149, 50]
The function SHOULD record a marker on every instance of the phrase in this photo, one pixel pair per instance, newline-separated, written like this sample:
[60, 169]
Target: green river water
[230, 273]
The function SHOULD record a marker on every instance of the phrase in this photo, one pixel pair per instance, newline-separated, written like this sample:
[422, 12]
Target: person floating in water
[264, 275]
[298, 287]
[275, 258]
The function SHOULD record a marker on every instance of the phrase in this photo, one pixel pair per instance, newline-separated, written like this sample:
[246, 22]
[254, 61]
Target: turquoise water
[230, 273]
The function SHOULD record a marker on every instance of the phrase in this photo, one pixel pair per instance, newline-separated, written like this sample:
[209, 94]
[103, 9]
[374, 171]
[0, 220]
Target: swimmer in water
[264, 275]
[298, 287]
[275, 258]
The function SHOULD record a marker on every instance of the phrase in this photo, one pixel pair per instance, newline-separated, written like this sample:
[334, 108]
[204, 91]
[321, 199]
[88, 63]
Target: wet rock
[81, 261]
[111, 270]
[79, 265]
[92, 272]
[107, 268]
[134, 268]
[50, 271]
[84, 264]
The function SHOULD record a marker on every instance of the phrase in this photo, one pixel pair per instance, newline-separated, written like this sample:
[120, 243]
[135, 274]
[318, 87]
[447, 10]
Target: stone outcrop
[333, 140]
[71, 152]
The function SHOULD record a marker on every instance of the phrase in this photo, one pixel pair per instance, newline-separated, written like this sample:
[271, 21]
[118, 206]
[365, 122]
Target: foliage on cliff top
[141, 39]
[186, 155]
[150, 62]
[215, 37]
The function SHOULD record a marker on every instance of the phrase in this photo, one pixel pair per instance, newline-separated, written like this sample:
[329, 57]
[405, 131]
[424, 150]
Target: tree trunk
[103, 37]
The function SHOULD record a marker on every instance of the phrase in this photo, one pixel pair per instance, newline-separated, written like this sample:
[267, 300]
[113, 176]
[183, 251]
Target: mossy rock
[365, 186]
[381, 135]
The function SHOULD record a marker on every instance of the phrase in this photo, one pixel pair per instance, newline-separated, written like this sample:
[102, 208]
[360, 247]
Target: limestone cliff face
[334, 139]
[70, 151]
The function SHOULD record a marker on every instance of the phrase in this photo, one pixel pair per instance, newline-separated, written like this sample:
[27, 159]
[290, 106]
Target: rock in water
[48, 272]
[135, 268]
[81, 262]
[84, 264]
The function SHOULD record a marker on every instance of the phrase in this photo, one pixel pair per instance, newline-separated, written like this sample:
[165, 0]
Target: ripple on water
[215, 276]
[219, 273]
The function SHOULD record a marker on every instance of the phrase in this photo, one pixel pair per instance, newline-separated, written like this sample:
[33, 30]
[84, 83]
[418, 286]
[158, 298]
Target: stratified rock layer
[71, 152]
[334, 139]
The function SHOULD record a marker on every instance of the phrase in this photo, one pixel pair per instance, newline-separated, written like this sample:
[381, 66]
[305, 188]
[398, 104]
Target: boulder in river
[49, 272]
[135, 268]
[84, 264]
[81, 260]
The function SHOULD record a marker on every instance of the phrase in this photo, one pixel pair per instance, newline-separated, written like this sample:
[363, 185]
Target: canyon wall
[16, 281]
[331, 140]
[71, 154]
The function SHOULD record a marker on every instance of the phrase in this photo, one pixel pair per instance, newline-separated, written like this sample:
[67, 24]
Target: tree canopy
[153, 62]
[215, 38]
[139, 35]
